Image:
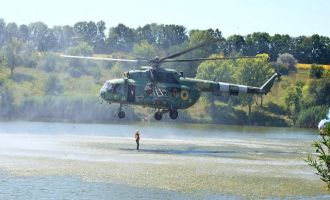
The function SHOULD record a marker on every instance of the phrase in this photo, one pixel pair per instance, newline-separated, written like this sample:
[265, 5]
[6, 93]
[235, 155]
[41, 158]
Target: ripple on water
[64, 187]
[54, 161]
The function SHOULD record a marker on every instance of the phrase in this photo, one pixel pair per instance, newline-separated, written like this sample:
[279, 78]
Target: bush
[96, 73]
[281, 68]
[287, 60]
[322, 161]
[77, 68]
[316, 71]
[275, 108]
[48, 63]
[30, 57]
[53, 85]
[82, 49]
[319, 91]
[310, 117]
[6, 102]
[262, 119]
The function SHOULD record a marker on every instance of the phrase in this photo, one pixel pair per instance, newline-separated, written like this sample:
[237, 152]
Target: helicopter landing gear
[158, 115]
[121, 113]
[174, 114]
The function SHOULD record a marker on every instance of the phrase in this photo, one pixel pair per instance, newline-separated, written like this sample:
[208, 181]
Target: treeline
[47, 87]
[162, 38]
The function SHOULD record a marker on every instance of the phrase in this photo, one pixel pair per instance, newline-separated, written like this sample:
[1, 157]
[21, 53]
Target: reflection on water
[176, 161]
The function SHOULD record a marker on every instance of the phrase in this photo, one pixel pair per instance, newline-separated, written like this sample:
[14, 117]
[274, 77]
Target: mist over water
[176, 161]
[323, 122]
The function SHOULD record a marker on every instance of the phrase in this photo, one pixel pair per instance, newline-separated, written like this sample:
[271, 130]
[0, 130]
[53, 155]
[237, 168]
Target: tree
[29, 55]
[196, 37]
[172, 35]
[120, 38]
[253, 72]
[99, 46]
[92, 33]
[64, 37]
[150, 33]
[82, 49]
[2, 32]
[280, 44]
[23, 32]
[145, 50]
[215, 70]
[6, 102]
[12, 52]
[319, 91]
[319, 49]
[302, 49]
[11, 31]
[257, 43]
[86, 31]
[293, 100]
[48, 63]
[222, 70]
[234, 45]
[42, 36]
[325, 50]
[322, 161]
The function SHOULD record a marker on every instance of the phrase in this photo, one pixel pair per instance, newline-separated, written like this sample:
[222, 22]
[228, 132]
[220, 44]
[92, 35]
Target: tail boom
[235, 89]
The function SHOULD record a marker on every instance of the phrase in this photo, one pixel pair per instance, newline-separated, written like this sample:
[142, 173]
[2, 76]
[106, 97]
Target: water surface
[176, 161]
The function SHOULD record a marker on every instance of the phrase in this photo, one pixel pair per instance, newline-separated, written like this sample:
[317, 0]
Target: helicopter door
[130, 93]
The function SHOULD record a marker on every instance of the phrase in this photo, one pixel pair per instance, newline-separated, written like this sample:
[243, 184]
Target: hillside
[76, 98]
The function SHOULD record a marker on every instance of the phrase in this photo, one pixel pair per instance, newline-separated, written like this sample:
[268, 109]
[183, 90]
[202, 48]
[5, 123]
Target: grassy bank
[73, 96]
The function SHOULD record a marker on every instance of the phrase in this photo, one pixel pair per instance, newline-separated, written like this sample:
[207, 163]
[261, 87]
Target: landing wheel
[121, 114]
[158, 116]
[174, 114]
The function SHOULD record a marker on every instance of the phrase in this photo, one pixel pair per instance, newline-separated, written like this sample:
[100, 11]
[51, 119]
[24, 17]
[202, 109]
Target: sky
[293, 17]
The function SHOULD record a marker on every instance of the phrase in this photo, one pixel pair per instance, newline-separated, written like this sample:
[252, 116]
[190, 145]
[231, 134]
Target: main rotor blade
[185, 51]
[203, 59]
[106, 59]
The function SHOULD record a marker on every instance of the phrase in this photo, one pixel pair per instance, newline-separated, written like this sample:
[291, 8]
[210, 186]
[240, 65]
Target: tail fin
[269, 83]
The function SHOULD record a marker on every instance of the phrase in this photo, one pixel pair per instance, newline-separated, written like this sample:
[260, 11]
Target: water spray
[325, 121]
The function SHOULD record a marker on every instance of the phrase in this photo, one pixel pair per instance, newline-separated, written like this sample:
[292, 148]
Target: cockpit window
[109, 86]
[117, 88]
[113, 88]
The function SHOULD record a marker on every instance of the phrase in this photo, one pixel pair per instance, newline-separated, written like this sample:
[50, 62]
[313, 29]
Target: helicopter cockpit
[111, 90]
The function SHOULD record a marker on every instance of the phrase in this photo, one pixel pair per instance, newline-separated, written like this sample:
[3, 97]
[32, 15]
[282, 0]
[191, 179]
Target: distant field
[308, 66]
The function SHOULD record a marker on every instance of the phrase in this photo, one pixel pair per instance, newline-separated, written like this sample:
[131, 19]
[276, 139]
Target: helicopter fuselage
[138, 88]
[167, 90]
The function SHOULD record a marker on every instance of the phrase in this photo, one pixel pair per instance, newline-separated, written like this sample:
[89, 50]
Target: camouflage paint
[181, 93]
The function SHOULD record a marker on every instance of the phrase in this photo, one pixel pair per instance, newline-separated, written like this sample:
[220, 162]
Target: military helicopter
[166, 90]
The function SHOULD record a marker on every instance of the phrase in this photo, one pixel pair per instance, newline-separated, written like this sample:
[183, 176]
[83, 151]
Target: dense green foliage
[35, 83]
[313, 49]
[252, 72]
[306, 103]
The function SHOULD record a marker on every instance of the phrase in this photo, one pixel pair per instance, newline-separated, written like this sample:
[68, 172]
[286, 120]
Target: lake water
[176, 161]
